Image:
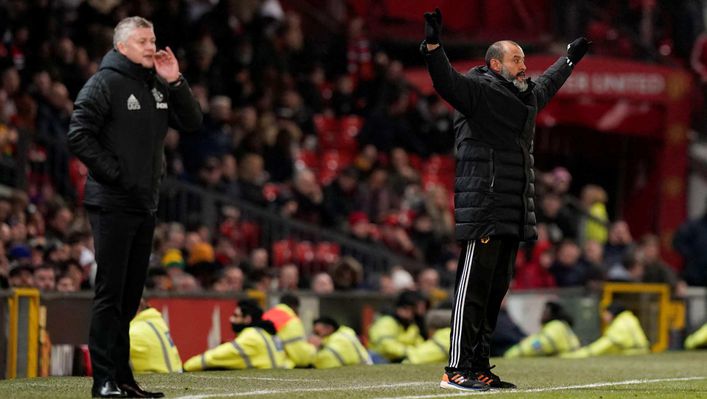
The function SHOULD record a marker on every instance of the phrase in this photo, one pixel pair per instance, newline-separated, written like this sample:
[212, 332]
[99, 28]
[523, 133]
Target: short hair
[125, 27]
[328, 321]
[497, 50]
[249, 307]
[290, 300]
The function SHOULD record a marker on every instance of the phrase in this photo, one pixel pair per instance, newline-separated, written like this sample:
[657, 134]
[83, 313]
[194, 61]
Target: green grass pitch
[666, 375]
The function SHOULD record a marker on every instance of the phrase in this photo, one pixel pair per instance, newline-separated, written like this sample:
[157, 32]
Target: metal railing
[187, 203]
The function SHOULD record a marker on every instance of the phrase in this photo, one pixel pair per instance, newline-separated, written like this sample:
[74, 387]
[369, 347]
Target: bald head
[497, 50]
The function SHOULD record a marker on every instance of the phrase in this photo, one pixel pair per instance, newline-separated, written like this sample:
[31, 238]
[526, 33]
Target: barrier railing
[22, 332]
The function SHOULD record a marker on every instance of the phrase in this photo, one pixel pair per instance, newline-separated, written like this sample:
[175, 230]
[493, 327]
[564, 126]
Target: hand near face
[166, 65]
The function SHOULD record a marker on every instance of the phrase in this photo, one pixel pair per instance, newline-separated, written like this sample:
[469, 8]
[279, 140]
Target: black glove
[433, 26]
[577, 49]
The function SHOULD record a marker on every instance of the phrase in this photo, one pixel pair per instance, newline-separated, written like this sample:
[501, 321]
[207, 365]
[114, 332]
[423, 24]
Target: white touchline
[228, 377]
[322, 389]
[563, 388]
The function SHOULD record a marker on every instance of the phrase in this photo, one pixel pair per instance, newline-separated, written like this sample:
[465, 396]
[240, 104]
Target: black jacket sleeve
[458, 90]
[185, 112]
[551, 80]
[91, 110]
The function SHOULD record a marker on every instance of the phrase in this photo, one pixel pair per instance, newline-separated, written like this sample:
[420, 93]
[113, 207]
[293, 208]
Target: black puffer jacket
[494, 127]
[118, 127]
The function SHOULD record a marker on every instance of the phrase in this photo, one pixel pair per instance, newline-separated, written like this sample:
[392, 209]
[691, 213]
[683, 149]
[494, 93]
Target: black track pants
[483, 276]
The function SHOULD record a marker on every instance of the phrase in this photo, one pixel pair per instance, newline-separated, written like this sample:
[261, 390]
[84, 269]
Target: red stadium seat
[281, 252]
[303, 252]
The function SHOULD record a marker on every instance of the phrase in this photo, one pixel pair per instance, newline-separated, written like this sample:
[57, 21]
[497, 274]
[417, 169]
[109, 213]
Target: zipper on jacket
[493, 171]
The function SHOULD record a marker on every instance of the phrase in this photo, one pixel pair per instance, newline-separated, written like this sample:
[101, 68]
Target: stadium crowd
[325, 131]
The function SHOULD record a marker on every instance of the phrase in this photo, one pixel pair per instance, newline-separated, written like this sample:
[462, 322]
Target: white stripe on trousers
[455, 342]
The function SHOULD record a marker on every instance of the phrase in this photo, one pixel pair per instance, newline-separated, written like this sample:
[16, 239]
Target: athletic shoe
[492, 380]
[461, 381]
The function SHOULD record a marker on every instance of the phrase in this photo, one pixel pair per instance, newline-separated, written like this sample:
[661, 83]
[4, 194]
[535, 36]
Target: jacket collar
[118, 62]
[484, 70]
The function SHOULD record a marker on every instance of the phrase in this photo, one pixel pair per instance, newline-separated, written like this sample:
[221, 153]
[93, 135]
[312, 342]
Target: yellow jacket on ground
[624, 336]
[698, 339]
[254, 348]
[556, 337]
[341, 348]
[434, 350]
[291, 333]
[391, 339]
[151, 347]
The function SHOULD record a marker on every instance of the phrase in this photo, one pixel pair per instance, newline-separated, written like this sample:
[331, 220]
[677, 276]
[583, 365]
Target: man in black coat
[496, 106]
[117, 130]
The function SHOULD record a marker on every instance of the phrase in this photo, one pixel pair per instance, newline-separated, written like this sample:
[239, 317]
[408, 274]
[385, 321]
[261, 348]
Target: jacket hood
[121, 64]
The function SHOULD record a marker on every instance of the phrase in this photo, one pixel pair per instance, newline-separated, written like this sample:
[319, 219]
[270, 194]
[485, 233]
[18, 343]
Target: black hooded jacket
[494, 126]
[117, 130]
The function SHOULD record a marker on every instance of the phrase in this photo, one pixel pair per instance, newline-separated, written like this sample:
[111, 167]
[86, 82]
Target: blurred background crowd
[315, 121]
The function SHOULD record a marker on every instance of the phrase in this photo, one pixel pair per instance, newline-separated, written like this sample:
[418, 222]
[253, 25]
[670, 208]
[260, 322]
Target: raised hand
[433, 26]
[166, 65]
[577, 49]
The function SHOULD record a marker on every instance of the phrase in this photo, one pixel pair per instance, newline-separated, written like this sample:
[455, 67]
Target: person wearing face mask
[117, 129]
[392, 335]
[496, 105]
[255, 347]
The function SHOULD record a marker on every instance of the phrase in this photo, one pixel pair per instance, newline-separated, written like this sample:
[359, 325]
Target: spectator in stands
[566, 268]
[45, 278]
[347, 274]
[558, 224]
[555, 338]
[629, 270]
[336, 345]
[308, 200]
[158, 280]
[533, 263]
[428, 285]
[231, 280]
[618, 243]
[65, 283]
[185, 282]
[340, 197]
[437, 206]
[655, 269]
[623, 336]
[261, 280]
[689, 241]
[595, 219]
[152, 349]
[290, 330]
[288, 278]
[252, 176]
[592, 262]
[392, 335]
[259, 259]
[436, 130]
[254, 346]
[21, 276]
[322, 284]
[123, 183]
[698, 339]
[429, 244]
